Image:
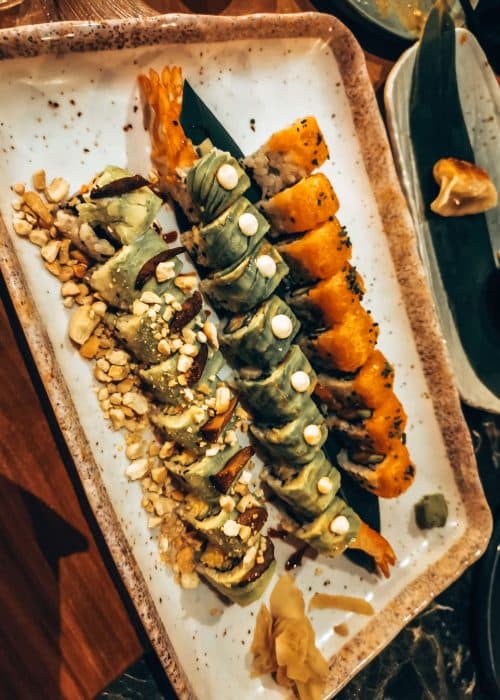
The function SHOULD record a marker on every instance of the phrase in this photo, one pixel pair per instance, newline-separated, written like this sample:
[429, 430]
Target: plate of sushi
[219, 283]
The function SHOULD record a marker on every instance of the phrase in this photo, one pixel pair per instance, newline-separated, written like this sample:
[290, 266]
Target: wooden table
[67, 627]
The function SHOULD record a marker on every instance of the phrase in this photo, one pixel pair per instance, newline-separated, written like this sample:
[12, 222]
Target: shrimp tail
[172, 152]
[376, 546]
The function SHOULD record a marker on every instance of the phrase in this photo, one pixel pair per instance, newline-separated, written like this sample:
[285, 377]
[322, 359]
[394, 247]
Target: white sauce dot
[340, 525]
[324, 485]
[266, 265]
[281, 326]
[227, 176]
[312, 434]
[248, 224]
[300, 381]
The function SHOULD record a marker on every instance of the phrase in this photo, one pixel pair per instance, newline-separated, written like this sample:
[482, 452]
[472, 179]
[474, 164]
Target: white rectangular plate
[272, 69]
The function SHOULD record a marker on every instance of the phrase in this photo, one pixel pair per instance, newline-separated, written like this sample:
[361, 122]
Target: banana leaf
[461, 244]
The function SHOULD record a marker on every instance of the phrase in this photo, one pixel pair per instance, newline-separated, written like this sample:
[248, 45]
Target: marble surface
[435, 657]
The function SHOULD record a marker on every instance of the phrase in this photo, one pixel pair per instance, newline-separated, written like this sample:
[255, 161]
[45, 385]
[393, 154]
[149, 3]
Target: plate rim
[397, 224]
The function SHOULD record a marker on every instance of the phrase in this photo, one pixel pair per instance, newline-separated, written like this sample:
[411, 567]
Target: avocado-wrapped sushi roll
[125, 216]
[310, 202]
[353, 397]
[317, 255]
[309, 489]
[233, 235]
[198, 373]
[195, 474]
[262, 338]
[282, 394]
[346, 346]
[241, 580]
[328, 301]
[215, 182]
[288, 156]
[333, 531]
[246, 284]
[295, 442]
[233, 530]
[118, 279]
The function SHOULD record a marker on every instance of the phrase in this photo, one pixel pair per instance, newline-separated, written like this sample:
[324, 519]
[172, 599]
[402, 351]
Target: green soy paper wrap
[320, 537]
[222, 243]
[210, 197]
[126, 216]
[272, 398]
[249, 340]
[300, 488]
[242, 287]
[286, 443]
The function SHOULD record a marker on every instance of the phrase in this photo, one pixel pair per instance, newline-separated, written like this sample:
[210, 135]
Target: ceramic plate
[68, 99]
[480, 98]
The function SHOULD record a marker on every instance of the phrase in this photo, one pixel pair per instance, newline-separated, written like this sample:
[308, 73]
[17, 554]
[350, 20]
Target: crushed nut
[82, 325]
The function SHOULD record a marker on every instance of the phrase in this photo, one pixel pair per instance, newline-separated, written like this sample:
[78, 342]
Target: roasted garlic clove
[465, 188]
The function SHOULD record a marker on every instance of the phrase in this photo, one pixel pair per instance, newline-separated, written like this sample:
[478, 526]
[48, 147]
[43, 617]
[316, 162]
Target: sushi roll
[309, 203]
[242, 580]
[374, 435]
[391, 476]
[296, 442]
[346, 346]
[332, 532]
[227, 527]
[260, 339]
[354, 397]
[330, 300]
[215, 182]
[318, 254]
[117, 279]
[227, 239]
[279, 396]
[169, 379]
[245, 285]
[123, 217]
[309, 489]
[194, 474]
[288, 156]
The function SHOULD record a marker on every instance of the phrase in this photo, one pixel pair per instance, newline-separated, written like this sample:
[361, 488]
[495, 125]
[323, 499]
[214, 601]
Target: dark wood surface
[66, 627]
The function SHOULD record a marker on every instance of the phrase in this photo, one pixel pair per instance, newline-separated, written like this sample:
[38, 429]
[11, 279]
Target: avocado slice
[250, 341]
[300, 488]
[126, 216]
[243, 286]
[116, 279]
[273, 398]
[196, 476]
[320, 537]
[247, 580]
[286, 443]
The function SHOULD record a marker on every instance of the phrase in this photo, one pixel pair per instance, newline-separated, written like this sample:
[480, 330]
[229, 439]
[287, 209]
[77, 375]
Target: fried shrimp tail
[172, 153]
[376, 546]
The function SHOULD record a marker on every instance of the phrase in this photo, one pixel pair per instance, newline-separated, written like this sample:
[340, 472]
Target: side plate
[480, 98]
